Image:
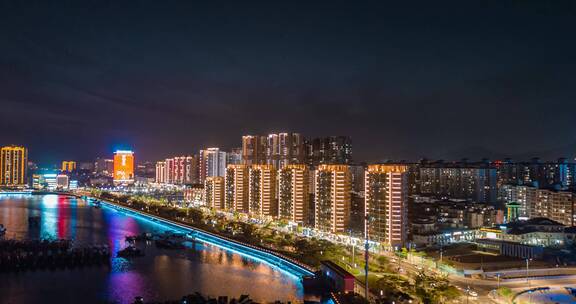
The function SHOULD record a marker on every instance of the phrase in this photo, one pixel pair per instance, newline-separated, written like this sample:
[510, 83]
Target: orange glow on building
[123, 167]
[13, 166]
[68, 166]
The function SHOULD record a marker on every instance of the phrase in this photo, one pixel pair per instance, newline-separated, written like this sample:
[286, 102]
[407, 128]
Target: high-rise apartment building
[237, 188]
[181, 170]
[170, 173]
[386, 204]
[329, 150]
[560, 173]
[254, 149]
[524, 196]
[214, 192]
[332, 198]
[212, 162]
[262, 190]
[123, 167]
[459, 180]
[104, 166]
[160, 172]
[13, 166]
[275, 149]
[234, 157]
[290, 149]
[532, 202]
[186, 170]
[294, 193]
[68, 166]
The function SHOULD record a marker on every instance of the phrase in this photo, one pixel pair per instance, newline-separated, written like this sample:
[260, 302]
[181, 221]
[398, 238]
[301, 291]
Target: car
[472, 293]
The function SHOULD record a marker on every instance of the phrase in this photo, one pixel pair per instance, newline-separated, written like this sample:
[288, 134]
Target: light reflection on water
[160, 275]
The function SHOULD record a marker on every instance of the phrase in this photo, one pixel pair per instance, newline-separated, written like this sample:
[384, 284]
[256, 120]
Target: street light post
[441, 251]
[353, 247]
[528, 279]
[528, 272]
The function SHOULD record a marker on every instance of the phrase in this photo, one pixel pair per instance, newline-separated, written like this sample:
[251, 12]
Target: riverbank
[386, 278]
[159, 275]
[210, 237]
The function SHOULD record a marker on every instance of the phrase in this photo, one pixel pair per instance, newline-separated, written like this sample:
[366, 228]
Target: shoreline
[260, 253]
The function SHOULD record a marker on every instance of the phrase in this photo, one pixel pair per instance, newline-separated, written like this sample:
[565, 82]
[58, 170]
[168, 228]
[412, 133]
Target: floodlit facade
[123, 167]
[214, 192]
[386, 204]
[333, 198]
[68, 166]
[237, 183]
[62, 182]
[293, 193]
[212, 162]
[13, 166]
[160, 172]
[262, 190]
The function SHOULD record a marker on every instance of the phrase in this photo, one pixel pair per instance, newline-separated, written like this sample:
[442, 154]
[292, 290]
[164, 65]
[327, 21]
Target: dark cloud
[78, 78]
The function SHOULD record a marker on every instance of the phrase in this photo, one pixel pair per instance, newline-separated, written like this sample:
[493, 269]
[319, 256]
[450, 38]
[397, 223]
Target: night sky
[440, 80]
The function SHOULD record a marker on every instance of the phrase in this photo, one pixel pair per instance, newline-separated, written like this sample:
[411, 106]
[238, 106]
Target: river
[160, 275]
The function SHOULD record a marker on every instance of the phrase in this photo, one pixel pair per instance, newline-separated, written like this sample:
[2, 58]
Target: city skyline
[401, 80]
[348, 152]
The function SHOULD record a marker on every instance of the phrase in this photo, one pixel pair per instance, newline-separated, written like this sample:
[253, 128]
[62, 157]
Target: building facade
[254, 149]
[237, 188]
[532, 202]
[212, 162]
[262, 190]
[328, 150]
[68, 166]
[294, 193]
[13, 166]
[459, 180]
[214, 192]
[160, 172]
[123, 167]
[104, 166]
[332, 198]
[386, 204]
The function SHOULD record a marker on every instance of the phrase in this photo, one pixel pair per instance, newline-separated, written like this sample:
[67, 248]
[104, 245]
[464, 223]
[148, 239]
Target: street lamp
[528, 279]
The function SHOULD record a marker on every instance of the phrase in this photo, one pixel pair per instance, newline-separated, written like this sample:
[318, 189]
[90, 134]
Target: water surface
[160, 275]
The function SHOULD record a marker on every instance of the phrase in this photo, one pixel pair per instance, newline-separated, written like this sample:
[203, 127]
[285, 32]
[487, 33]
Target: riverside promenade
[284, 263]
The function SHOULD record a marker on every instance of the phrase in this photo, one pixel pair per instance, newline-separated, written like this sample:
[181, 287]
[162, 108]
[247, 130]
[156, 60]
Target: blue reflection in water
[160, 275]
[48, 218]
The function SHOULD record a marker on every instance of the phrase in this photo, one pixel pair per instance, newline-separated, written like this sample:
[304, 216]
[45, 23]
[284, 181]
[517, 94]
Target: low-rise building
[536, 232]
